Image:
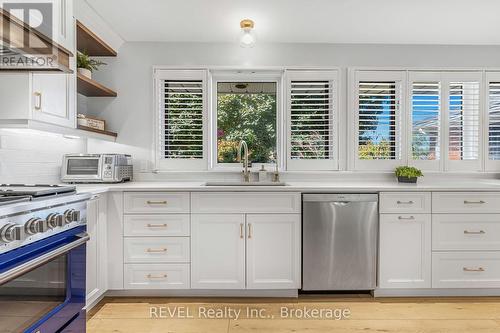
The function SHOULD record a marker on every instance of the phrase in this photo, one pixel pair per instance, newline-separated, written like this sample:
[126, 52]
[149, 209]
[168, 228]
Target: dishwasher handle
[343, 198]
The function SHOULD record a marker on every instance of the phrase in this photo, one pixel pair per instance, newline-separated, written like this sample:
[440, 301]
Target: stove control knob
[35, 226]
[69, 216]
[11, 232]
[76, 216]
[55, 220]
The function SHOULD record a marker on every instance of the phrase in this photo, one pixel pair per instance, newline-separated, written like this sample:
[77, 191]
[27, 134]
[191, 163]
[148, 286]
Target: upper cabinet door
[405, 251]
[218, 251]
[273, 251]
[51, 102]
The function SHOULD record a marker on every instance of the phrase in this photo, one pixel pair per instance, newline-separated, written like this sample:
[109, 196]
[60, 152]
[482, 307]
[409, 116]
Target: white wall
[131, 113]
[34, 157]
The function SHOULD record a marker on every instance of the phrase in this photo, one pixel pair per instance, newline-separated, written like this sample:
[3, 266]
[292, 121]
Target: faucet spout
[246, 172]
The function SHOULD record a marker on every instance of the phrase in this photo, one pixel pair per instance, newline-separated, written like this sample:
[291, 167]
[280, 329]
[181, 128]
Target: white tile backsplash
[34, 157]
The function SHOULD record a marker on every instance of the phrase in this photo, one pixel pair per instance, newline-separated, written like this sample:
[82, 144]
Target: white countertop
[337, 186]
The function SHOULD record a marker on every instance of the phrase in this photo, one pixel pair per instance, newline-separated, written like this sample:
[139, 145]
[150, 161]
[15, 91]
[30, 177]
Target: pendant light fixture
[247, 38]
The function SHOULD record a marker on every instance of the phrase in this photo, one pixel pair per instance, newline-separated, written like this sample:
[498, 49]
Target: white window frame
[216, 76]
[172, 164]
[489, 165]
[355, 76]
[331, 75]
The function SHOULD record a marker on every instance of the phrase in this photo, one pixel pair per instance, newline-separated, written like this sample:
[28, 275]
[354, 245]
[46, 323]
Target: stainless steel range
[42, 258]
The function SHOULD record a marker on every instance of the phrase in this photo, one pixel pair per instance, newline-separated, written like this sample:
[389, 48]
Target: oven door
[42, 285]
[85, 168]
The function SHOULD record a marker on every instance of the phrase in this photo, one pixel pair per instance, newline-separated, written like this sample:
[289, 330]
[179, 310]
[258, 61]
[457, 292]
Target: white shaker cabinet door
[273, 251]
[218, 251]
[51, 99]
[405, 251]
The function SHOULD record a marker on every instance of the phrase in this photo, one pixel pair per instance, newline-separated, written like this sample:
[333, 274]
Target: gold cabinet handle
[161, 276]
[164, 225]
[241, 230]
[406, 218]
[38, 101]
[480, 269]
[405, 202]
[153, 202]
[249, 230]
[157, 250]
[480, 202]
[480, 232]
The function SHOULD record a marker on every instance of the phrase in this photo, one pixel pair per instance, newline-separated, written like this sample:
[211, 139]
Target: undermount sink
[245, 184]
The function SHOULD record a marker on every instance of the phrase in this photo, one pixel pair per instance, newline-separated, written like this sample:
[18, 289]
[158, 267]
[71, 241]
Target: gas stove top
[14, 193]
[29, 213]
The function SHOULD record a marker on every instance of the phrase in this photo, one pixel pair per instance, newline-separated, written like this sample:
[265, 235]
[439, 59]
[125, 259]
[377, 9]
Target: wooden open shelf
[85, 128]
[91, 88]
[87, 41]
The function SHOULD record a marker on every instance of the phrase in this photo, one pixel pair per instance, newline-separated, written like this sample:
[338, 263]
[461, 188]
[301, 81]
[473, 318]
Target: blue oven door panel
[70, 247]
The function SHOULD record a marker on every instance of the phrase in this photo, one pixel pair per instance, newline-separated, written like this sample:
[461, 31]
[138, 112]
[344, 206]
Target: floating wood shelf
[90, 43]
[89, 129]
[91, 88]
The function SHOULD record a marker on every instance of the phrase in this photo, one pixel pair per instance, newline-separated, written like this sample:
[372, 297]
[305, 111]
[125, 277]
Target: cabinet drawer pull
[480, 269]
[157, 250]
[406, 218]
[249, 230]
[38, 101]
[152, 202]
[241, 230]
[151, 276]
[405, 202]
[480, 202]
[480, 232]
[164, 225]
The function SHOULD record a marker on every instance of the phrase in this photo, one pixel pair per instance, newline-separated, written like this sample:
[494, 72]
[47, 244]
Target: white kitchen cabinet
[218, 251]
[96, 249]
[237, 251]
[405, 251]
[51, 99]
[43, 97]
[273, 251]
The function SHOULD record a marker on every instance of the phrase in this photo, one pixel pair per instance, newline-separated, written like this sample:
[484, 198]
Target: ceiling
[463, 22]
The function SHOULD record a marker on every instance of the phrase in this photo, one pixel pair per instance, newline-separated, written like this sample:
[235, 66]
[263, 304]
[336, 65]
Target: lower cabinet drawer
[465, 232]
[156, 276]
[156, 249]
[156, 225]
[466, 270]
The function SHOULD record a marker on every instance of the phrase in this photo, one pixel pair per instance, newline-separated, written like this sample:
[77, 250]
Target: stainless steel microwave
[96, 168]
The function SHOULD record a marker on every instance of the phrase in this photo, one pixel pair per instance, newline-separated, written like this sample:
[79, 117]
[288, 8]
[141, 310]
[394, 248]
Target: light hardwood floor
[407, 315]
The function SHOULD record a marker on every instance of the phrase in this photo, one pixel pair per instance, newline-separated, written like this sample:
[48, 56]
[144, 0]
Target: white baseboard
[436, 292]
[288, 293]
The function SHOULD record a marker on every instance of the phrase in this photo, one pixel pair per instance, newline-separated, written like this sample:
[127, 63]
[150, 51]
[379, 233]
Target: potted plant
[86, 65]
[408, 174]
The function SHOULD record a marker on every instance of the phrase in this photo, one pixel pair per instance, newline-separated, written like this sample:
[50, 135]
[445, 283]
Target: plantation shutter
[426, 120]
[463, 121]
[378, 98]
[182, 104]
[494, 121]
[312, 120]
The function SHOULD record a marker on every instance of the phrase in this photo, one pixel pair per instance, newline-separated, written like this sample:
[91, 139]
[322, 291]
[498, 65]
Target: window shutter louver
[311, 120]
[312, 114]
[379, 120]
[494, 121]
[426, 124]
[463, 118]
[183, 118]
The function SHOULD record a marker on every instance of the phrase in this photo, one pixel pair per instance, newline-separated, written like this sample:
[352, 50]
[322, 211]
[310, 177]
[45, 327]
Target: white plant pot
[85, 72]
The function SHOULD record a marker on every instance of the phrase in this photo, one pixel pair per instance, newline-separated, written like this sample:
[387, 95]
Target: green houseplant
[87, 65]
[408, 174]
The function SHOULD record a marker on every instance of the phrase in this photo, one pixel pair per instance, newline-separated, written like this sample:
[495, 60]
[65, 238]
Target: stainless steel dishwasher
[340, 233]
